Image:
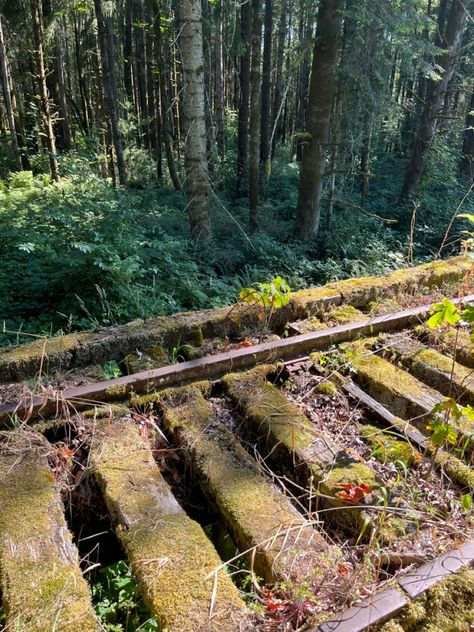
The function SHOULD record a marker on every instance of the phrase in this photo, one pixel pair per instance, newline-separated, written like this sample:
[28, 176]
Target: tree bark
[47, 121]
[255, 111]
[266, 84]
[449, 40]
[7, 99]
[320, 100]
[194, 123]
[165, 107]
[278, 91]
[467, 157]
[109, 79]
[243, 130]
[62, 102]
[219, 79]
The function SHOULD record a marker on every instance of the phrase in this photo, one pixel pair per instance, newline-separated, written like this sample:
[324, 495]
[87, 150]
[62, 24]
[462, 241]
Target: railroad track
[302, 463]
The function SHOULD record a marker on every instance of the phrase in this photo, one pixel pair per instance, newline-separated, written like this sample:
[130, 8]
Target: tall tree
[47, 119]
[448, 40]
[255, 111]
[194, 123]
[7, 99]
[109, 80]
[318, 117]
[467, 157]
[244, 76]
[219, 96]
[266, 83]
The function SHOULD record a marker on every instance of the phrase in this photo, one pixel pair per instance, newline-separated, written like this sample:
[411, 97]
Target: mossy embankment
[115, 343]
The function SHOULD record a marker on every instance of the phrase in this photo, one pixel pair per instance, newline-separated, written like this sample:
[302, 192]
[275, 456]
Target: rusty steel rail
[211, 367]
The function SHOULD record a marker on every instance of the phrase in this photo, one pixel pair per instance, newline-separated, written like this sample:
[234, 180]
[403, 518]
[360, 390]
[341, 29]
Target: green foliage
[270, 295]
[80, 254]
[444, 312]
[118, 603]
[440, 425]
[111, 370]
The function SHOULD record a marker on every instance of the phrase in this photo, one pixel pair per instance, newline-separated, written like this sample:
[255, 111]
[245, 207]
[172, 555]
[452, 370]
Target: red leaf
[352, 493]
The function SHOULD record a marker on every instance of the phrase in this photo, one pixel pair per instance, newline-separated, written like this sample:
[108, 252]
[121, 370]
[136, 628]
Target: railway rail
[303, 463]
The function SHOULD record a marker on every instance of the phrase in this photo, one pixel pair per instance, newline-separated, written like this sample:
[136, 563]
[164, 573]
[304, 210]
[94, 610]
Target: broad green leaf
[444, 312]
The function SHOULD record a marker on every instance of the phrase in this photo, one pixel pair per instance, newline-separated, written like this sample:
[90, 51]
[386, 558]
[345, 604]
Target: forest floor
[77, 255]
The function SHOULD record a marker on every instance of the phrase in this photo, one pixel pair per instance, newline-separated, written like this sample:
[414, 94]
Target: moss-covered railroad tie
[292, 444]
[40, 578]
[257, 515]
[171, 557]
[435, 369]
[401, 392]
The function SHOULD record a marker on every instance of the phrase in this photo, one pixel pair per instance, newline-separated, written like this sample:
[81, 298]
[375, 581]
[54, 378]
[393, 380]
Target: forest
[160, 155]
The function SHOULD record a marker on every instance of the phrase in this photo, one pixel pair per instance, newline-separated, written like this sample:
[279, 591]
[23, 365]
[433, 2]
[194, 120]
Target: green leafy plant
[117, 601]
[111, 370]
[268, 296]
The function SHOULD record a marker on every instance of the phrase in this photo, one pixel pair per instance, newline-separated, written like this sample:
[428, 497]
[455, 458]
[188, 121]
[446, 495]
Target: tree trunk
[128, 51]
[7, 99]
[278, 91]
[448, 40]
[47, 121]
[266, 84]
[165, 107]
[194, 123]
[243, 130]
[109, 79]
[255, 110]
[365, 159]
[61, 77]
[219, 80]
[140, 73]
[467, 158]
[320, 100]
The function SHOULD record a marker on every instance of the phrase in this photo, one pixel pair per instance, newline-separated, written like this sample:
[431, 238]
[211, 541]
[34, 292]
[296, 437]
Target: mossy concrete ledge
[115, 343]
[171, 557]
[293, 445]
[40, 579]
[258, 516]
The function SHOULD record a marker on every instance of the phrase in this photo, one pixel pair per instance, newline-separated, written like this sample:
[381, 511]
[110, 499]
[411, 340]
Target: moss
[327, 388]
[51, 353]
[254, 511]
[446, 607]
[173, 562]
[388, 448]
[117, 391]
[454, 468]
[345, 314]
[268, 410]
[40, 578]
[169, 553]
[353, 473]
[406, 396]
[100, 412]
[441, 373]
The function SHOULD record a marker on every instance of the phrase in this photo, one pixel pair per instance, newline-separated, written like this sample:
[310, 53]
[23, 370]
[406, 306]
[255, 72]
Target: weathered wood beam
[210, 367]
